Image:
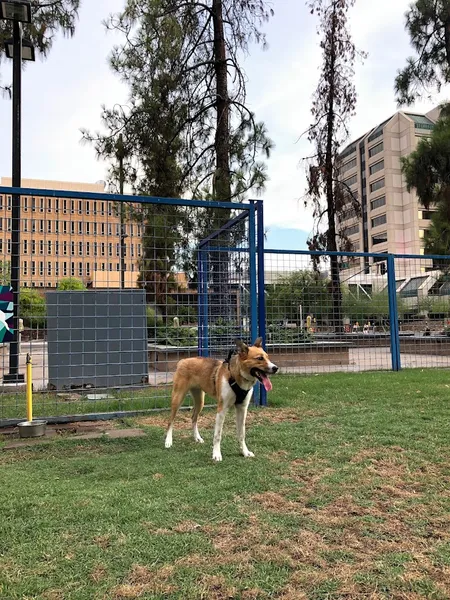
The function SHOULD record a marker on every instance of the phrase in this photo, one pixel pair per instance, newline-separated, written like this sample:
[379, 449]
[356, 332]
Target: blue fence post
[253, 284]
[202, 304]
[393, 314]
[261, 285]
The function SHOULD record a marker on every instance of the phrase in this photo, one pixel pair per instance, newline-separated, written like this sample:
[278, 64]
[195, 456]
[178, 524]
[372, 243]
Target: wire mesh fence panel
[423, 303]
[320, 322]
[108, 297]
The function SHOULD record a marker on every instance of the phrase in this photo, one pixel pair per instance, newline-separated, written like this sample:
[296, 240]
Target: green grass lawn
[348, 497]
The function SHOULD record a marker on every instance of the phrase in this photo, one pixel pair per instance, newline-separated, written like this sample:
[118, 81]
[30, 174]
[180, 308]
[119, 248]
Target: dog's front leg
[220, 418]
[241, 416]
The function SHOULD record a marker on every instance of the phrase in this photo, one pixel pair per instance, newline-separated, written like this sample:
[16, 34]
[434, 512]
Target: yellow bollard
[29, 390]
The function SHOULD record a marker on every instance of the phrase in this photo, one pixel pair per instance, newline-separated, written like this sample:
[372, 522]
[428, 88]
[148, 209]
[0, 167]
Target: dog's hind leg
[241, 416]
[179, 391]
[199, 401]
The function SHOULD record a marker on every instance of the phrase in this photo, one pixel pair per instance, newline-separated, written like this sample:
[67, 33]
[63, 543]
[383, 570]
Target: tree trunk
[329, 164]
[220, 306]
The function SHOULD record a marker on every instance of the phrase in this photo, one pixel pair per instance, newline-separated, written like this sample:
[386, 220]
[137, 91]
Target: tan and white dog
[230, 382]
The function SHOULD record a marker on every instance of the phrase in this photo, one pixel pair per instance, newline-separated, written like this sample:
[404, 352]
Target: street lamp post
[18, 49]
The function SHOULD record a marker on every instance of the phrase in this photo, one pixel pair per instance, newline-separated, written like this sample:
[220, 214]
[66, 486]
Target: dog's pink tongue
[266, 382]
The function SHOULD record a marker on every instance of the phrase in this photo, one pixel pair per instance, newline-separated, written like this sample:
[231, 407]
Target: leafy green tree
[5, 272]
[334, 103]
[428, 26]
[186, 126]
[70, 283]
[49, 17]
[296, 295]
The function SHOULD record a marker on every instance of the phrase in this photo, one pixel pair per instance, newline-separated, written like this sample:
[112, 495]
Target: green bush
[32, 308]
[70, 284]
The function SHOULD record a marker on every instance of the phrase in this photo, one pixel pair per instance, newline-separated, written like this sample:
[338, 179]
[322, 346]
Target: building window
[72, 207]
[72, 227]
[348, 182]
[56, 269]
[41, 268]
[139, 250]
[421, 233]
[25, 267]
[72, 269]
[41, 204]
[103, 249]
[49, 247]
[33, 246]
[379, 166]
[80, 207]
[88, 248]
[426, 214]
[33, 268]
[88, 269]
[377, 185]
[56, 247]
[49, 269]
[117, 266]
[49, 205]
[33, 225]
[351, 230]
[72, 248]
[95, 248]
[80, 269]
[25, 204]
[65, 206]
[109, 228]
[64, 269]
[110, 209]
[65, 248]
[95, 228]
[41, 225]
[56, 226]
[348, 165]
[25, 224]
[103, 266]
[377, 221]
[87, 207]
[132, 250]
[56, 205]
[80, 228]
[102, 208]
[95, 208]
[380, 238]
[80, 248]
[41, 246]
[378, 202]
[64, 226]
[102, 229]
[8, 224]
[25, 246]
[110, 266]
[49, 226]
[117, 249]
[33, 204]
[88, 228]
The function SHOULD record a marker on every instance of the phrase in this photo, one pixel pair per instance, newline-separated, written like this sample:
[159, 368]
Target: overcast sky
[65, 93]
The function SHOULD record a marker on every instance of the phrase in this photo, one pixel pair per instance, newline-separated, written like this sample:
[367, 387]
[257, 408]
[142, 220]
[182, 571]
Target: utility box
[96, 339]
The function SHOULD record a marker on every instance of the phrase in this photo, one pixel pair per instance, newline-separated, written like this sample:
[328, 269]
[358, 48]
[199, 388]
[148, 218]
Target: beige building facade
[64, 237]
[392, 220]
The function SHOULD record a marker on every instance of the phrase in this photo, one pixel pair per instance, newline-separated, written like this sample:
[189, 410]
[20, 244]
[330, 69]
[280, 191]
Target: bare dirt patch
[142, 580]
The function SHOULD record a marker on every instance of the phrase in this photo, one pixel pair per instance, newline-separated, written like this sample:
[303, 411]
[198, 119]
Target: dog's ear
[241, 347]
[258, 342]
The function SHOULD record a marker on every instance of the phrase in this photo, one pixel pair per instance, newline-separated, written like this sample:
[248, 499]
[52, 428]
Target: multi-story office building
[63, 237]
[392, 219]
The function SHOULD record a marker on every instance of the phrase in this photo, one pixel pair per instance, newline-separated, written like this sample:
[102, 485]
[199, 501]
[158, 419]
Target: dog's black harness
[240, 394]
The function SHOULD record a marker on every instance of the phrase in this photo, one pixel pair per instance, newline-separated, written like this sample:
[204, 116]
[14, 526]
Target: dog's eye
[260, 357]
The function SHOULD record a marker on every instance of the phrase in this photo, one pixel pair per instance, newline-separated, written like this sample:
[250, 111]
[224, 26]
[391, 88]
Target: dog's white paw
[199, 439]
[248, 454]
[217, 456]
[168, 443]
